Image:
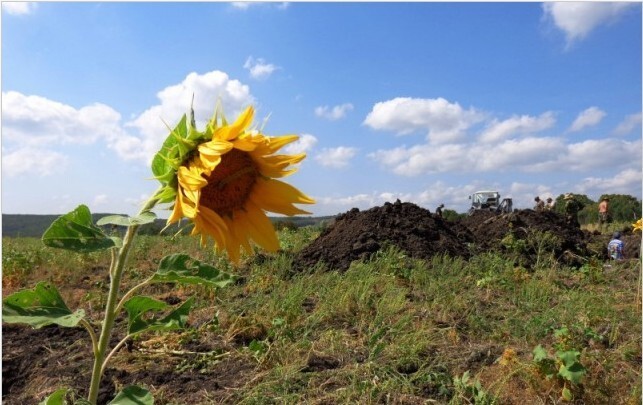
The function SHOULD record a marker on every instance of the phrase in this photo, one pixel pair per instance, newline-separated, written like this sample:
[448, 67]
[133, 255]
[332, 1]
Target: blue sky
[425, 102]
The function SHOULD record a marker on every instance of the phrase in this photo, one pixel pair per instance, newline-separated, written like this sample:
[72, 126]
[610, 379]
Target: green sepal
[76, 231]
[56, 398]
[166, 194]
[38, 307]
[160, 163]
[137, 307]
[144, 218]
[133, 395]
[181, 268]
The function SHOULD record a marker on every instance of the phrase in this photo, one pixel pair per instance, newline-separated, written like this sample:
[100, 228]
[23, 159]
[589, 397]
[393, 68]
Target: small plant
[470, 392]
[565, 366]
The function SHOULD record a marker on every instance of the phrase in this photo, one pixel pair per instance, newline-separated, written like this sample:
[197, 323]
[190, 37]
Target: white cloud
[100, 199]
[629, 124]
[19, 7]
[523, 154]
[578, 19]
[336, 157]
[444, 121]
[595, 154]
[627, 181]
[333, 113]
[303, 145]
[245, 5]
[32, 160]
[588, 118]
[31, 120]
[524, 124]
[258, 68]
[175, 100]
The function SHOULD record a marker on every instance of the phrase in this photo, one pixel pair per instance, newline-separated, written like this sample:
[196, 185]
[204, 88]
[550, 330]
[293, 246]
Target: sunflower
[224, 179]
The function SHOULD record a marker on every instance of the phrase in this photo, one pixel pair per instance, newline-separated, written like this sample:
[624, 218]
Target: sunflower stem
[116, 272]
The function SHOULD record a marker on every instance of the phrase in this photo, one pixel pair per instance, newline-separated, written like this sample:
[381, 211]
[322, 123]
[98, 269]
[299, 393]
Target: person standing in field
[550, 204]
[540, 205]
[438, 211]
[615, 247]
[572, 206]
[603, 213]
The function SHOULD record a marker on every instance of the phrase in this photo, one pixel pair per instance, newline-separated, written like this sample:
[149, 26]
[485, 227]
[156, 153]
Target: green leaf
[39, 307]
[144, 218]
[138, 307]
[181, 268]
[540, 354]
[133, 395]
[75, 231]
[567, 394]
[56, 398]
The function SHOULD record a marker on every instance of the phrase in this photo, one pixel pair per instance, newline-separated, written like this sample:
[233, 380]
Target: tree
[623, 208]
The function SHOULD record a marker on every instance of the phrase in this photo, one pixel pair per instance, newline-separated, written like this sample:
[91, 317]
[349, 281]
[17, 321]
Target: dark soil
[34, 360]
[357, 235]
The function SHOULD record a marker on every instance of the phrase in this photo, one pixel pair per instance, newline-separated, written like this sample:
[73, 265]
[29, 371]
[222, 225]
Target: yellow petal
[230, 132]
[274, 143]
[255, 223]
[210, 152]
[190, 178]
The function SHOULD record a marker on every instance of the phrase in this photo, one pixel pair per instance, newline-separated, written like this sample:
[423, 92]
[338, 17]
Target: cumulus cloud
[442, 120]
[578, 19]
[588, 118]
[627, 181]
[303, 145]
[629, 124]
[596, 154]
[174, 101]
[19, 7]
[333, 113]
[31, 160]
[335, 157]
[258, 68]
[524, 124]
[35, 120]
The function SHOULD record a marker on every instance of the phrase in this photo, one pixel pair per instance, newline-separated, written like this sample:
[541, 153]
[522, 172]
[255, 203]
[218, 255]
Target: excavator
[490, 201]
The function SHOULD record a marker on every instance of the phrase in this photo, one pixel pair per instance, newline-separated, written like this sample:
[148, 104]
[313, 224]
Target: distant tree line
[622, 207]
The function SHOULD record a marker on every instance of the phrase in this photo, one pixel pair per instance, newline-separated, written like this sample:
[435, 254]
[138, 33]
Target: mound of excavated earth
[358, 234]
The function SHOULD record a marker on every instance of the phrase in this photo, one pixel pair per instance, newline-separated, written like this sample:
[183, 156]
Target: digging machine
[490, 201]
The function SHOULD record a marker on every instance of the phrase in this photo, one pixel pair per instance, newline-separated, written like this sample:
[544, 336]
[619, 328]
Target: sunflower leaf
[144, 218]
[181, 268]
[76, 231]
[38, 307]
[56, 398]
[139, 306]
[133, 395]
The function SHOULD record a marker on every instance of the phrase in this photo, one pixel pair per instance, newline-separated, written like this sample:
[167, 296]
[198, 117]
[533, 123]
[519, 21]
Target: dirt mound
[490, 229]
[356, 235]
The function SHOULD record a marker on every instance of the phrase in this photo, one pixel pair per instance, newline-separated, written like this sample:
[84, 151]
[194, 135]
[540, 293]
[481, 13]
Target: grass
[390, 330]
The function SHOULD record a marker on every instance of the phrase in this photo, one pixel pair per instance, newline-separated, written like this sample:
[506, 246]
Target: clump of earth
[357, 235]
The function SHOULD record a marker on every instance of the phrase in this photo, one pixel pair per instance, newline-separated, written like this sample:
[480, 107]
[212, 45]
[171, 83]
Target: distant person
[550, 204]
[615, 247]
[603, 213]
[438, 211]
[540, 205]
[572, 206]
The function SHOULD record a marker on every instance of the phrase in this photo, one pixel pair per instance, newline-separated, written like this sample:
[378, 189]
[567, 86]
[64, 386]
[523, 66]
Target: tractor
[490, 201]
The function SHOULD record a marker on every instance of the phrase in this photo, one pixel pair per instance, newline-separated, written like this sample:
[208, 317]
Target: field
[496, 326]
